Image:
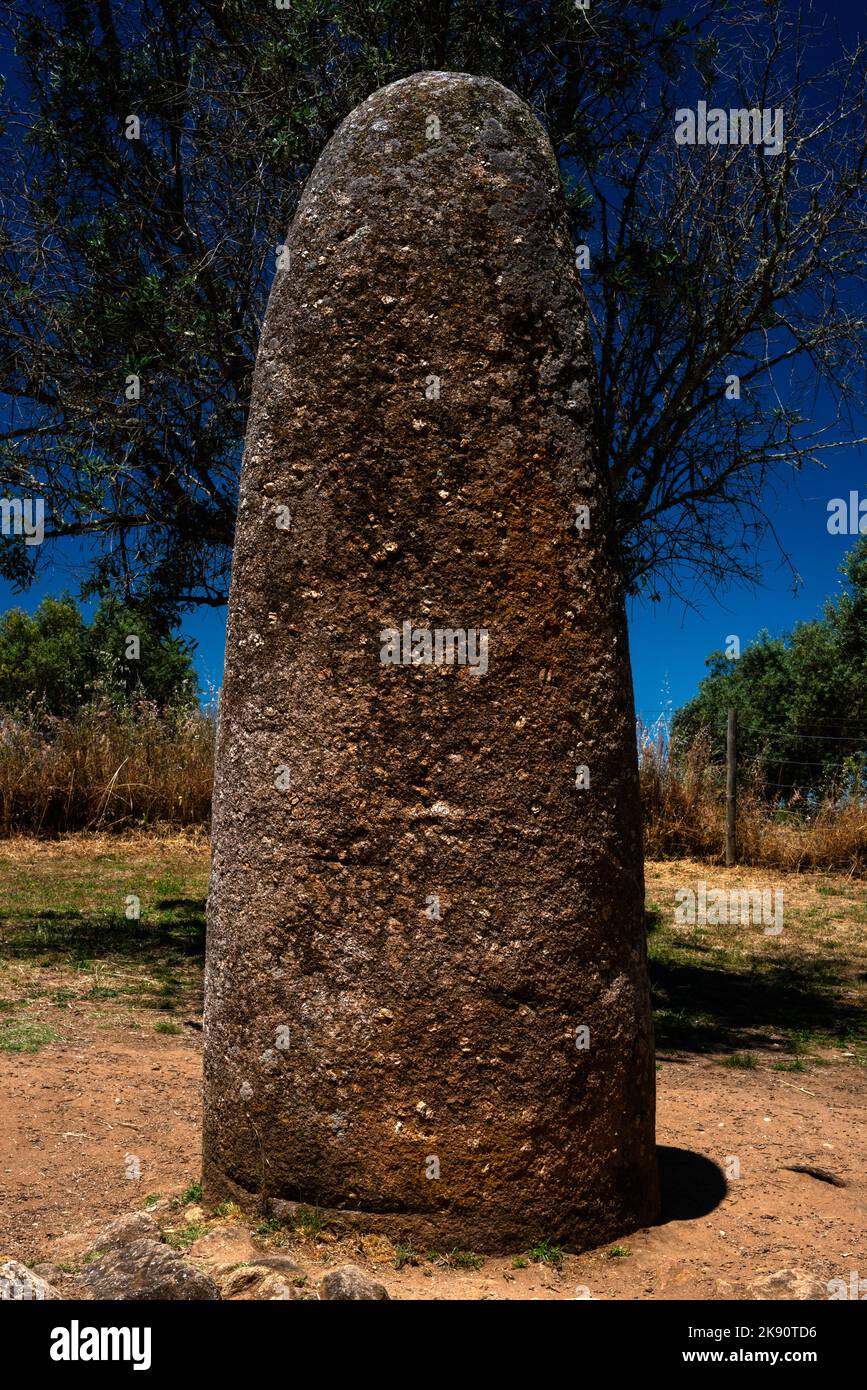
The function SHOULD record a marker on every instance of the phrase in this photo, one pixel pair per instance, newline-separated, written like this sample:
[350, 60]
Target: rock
[135, 1225]
[147, 1271]
[281, 1264]
[224, 1247]
[822, 1174]
[788, 1284]
[350, 1282]
[19, 1283]
[252, 1282]
[426, 986]
[48, 1271]
[727, 1292]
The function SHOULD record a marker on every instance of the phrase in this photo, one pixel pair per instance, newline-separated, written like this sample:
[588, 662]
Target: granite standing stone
[427, 997]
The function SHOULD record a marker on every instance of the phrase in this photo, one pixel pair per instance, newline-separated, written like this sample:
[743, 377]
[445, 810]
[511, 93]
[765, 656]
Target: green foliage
[269, 1226]
[739, 1061]
[311, 1222]
[182, 1237]
[465, 1259]
[543, 1252]
[405, 1255]
[57, 660]
[43, 655]
[801, 699]
[162, 672]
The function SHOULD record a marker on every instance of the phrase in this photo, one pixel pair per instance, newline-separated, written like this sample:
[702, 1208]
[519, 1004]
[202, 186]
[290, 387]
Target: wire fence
[777, 759]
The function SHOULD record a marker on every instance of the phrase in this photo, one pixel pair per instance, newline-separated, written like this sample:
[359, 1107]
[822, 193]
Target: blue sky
[669, 643]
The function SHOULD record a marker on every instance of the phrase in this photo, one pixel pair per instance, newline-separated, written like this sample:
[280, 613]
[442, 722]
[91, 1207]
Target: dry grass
[102, 770]
[105, 773]
[684, 816]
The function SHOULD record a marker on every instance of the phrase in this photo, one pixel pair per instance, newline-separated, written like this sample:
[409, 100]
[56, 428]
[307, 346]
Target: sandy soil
[75, 1115]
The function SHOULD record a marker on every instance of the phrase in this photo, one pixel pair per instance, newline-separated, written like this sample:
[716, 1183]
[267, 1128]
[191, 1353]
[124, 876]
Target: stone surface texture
[413, 907]
[349, 1283]
[147, 1271]
[134, 1225]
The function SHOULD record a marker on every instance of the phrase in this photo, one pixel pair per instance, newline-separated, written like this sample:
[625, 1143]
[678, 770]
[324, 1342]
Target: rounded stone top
[460, 93]
[473, 124]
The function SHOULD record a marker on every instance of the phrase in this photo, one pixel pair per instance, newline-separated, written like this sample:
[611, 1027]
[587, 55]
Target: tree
[801, 699]
[43, 656]
[55, 663]
[130, 659]
[134, 271]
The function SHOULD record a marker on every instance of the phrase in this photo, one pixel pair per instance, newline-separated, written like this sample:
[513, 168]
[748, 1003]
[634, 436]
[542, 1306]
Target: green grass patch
[405, 1255]
[310, 1222]
[544, 1253]
[73, 911]
[226, 1209]
[66, 912]
[465, 1259]
[729, 987]
[740, 1061]
[269, 1226]
[17, 1035]
[182, 1237]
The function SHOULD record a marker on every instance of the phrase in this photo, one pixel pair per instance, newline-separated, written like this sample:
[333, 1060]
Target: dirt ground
[762, 1157]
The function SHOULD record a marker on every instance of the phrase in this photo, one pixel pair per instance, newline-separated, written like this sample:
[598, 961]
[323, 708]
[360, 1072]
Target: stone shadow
[690, 1185]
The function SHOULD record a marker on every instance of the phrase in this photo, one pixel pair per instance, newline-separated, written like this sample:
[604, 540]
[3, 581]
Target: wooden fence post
[731, 787]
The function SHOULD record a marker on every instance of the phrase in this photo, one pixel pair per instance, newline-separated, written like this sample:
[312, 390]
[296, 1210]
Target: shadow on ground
[690, 1185]
[173, 926]
[702, 1007]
